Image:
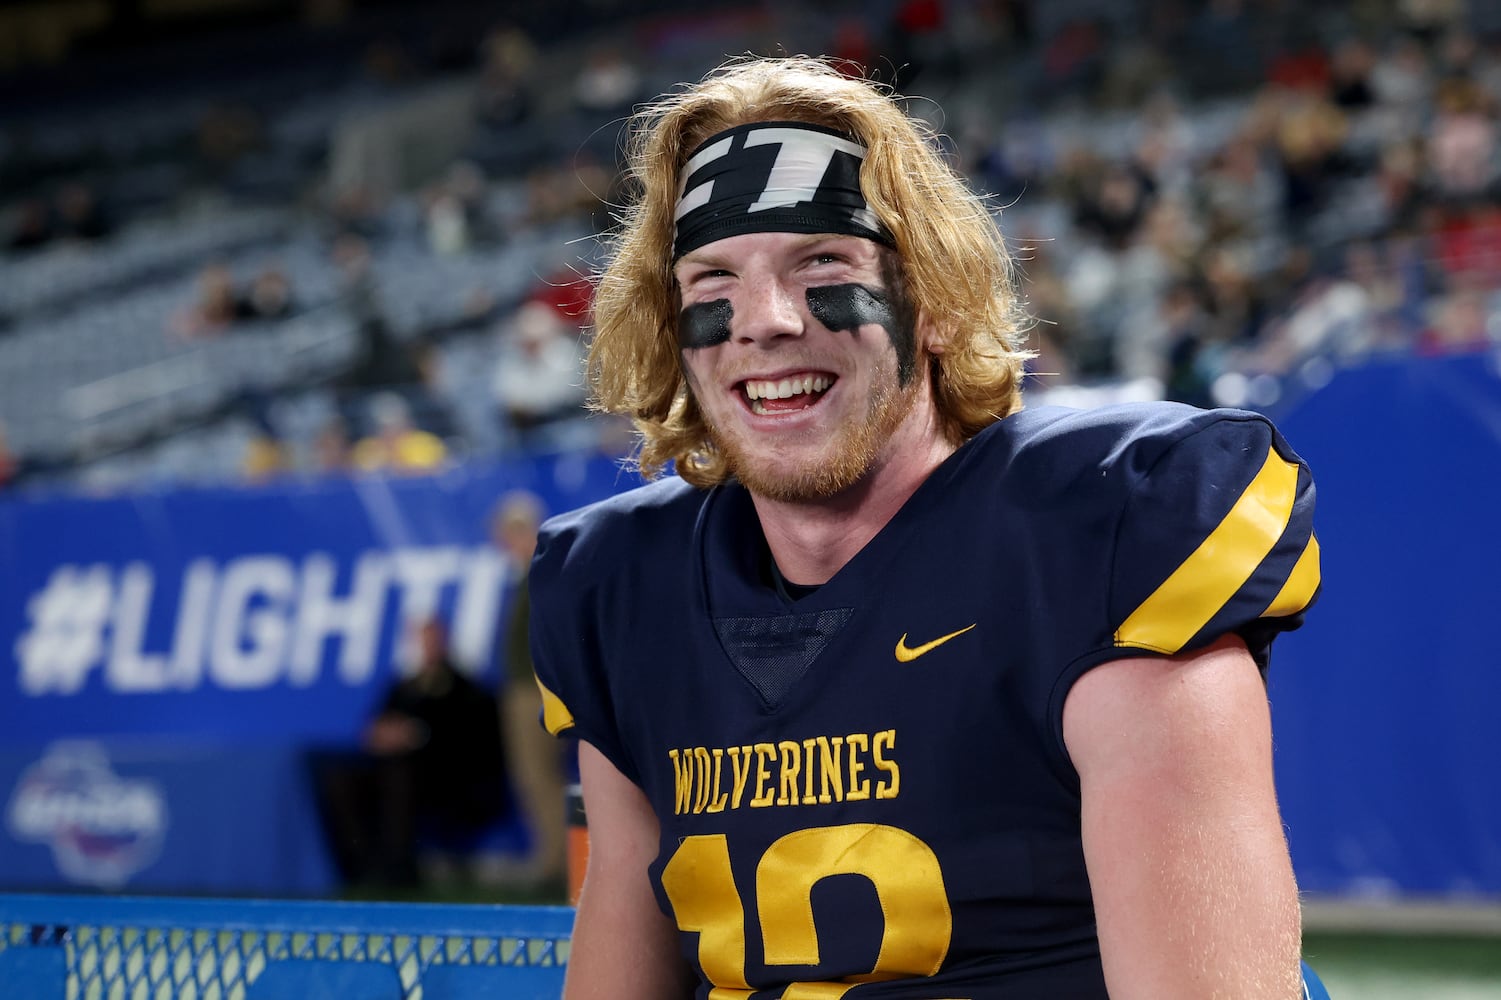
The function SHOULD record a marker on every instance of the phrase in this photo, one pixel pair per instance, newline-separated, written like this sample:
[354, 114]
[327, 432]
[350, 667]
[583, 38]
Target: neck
[813, 540]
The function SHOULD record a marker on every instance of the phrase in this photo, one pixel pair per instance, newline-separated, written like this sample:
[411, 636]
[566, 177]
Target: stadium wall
[1385, 705]
[170, 656]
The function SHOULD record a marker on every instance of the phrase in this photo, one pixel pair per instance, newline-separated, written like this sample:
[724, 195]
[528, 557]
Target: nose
[766, 310]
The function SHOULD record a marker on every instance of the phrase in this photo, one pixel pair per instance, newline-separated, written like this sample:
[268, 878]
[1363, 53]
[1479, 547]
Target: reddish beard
[857, 449]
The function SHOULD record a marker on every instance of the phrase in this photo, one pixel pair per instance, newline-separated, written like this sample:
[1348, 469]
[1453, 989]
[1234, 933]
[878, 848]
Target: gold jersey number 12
[701, 886]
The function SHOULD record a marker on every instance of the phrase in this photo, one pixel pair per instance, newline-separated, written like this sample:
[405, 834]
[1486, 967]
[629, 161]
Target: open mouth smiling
[790, 394]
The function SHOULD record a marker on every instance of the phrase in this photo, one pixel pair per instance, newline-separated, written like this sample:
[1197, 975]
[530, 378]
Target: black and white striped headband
[773, 177]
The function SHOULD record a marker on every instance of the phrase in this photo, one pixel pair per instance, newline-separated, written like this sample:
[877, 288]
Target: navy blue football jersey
[864, 791]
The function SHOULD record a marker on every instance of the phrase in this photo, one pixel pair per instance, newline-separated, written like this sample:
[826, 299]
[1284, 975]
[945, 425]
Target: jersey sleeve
[1217, 537]
[565, 641]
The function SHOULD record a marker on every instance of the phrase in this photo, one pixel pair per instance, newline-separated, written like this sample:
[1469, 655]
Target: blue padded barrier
[86, 947]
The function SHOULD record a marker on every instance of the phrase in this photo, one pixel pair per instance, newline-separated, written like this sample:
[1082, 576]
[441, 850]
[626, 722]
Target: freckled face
[802, 355]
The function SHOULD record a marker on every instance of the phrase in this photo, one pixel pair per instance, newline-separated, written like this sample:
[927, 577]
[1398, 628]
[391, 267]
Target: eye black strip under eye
[704, 324]
[849, 307]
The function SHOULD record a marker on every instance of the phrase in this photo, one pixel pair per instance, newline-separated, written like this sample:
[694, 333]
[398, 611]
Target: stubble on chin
[857, 447]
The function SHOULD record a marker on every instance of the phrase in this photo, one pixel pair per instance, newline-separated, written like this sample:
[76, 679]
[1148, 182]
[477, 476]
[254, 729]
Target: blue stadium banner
[242, 614]
[168, 654]
[163, 817]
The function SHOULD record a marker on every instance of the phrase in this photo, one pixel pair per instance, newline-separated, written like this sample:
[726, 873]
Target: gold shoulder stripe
[1301, 584]
[1220, 566]
[555, 714]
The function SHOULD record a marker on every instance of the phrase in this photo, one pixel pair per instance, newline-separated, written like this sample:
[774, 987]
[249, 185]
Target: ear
[930, 337]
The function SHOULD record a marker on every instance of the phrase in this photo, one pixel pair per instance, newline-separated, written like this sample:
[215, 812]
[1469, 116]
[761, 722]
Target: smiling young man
[896, 689]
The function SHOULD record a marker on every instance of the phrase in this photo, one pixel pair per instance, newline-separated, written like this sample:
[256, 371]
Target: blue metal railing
[193, 949]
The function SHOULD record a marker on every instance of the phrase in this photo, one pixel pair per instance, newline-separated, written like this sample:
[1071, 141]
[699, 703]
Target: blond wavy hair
[954, 263]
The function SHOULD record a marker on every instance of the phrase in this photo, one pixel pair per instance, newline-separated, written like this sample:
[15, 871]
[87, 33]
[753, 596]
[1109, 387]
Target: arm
[1193, 887]
[624, 947]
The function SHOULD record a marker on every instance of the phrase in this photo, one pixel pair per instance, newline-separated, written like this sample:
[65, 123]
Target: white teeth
[787, 387]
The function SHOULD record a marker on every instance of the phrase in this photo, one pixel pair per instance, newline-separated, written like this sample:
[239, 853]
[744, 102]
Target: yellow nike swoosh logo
[906, 653]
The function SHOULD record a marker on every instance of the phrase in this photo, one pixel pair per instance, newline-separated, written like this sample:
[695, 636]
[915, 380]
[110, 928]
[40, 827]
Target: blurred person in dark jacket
[431, 770]
[381, 359]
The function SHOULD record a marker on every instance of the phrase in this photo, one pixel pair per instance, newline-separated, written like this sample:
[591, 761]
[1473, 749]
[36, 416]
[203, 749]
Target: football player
[897, 689]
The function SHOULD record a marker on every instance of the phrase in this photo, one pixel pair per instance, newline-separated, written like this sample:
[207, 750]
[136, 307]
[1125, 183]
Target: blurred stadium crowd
[345, 235]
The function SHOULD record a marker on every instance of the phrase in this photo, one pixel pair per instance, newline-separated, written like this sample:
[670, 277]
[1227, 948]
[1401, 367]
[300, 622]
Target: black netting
[772, 653]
